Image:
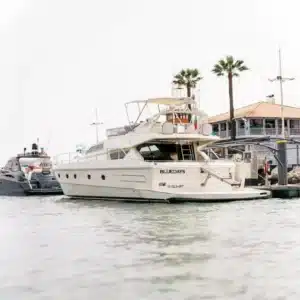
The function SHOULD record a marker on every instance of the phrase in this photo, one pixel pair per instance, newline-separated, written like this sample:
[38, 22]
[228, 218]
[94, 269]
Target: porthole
[75, 176]
[89, 176]
[103, 177]
[67, 175]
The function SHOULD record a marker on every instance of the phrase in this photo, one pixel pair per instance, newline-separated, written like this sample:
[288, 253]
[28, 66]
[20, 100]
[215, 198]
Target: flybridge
[173, 115]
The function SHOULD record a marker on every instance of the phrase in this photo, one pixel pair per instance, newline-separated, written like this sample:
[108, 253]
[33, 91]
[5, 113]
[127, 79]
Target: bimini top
[165, 101]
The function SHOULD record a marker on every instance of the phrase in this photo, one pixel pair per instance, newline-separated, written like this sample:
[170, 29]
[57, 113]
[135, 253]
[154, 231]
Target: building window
[89, 176]
[223, 126]
[241, 124]
[295, 124]
[270, 123]
[215, 128]
[256, 123]
[280, 122]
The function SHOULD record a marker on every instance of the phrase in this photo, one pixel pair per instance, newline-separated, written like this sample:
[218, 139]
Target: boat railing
[73, 157]
[68, 157]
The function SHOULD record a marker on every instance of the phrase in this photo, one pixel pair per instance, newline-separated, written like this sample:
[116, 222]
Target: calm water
[57, 249]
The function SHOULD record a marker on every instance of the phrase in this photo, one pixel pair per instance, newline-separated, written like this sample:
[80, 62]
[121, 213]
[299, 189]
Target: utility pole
[281, 81]
[96, 124]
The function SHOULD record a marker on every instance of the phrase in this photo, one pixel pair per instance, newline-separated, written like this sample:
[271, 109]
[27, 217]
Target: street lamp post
[281, 80]
[97, 124]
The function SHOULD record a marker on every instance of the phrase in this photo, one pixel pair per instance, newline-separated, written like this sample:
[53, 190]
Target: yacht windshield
[166, 151]
[35, 162]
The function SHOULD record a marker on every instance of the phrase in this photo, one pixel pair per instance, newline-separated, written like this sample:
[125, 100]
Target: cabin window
[58, 175]
[67, 175]
[95, 148]
[75, 176]
[9, 175]
[15, 166]
[89, 176]
[118, 153]
[8, 166]
[166, 152]
[103, 177]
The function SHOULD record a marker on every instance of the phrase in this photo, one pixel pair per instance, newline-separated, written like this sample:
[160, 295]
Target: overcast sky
[62, 58]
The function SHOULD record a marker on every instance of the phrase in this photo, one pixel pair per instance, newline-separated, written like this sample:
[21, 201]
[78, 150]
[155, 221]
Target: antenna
[96, 124]
[281, 80]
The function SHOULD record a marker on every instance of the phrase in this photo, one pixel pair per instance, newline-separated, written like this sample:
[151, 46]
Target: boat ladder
[187, 152]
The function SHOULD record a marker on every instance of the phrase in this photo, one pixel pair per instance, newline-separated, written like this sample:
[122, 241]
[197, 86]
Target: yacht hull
[163, 182]
[12, 187]
[132, 195]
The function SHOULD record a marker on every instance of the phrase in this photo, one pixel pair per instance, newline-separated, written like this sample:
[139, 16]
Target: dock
[282, 191]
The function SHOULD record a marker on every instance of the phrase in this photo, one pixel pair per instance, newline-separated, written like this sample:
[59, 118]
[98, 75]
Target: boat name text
[169, 171]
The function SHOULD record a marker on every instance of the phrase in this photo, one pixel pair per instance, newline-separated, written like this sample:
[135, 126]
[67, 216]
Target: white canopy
[165, 101]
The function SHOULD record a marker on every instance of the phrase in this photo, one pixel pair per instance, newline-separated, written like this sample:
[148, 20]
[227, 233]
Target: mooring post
[282, 166]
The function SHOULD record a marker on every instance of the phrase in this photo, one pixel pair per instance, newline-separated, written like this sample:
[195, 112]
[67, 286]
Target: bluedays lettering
[169, 171]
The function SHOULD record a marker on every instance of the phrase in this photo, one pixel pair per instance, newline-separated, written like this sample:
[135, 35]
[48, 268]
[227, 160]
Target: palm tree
[189, 79]
[231, 68]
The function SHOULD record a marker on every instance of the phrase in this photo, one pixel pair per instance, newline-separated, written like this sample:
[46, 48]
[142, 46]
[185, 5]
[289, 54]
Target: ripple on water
[66, 249]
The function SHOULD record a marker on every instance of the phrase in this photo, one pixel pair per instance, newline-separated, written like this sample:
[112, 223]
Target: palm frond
[230, 61]
[178, 82]
[238, 63]
[198, 78]
[195, 73]
[187, 77]
[243, 68]
[229, 66]
[218, 70]
[223, 64]
[179, 79]
[182, 73]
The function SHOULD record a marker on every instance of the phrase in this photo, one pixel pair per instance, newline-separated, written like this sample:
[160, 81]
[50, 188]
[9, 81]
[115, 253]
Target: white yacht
[159, 159]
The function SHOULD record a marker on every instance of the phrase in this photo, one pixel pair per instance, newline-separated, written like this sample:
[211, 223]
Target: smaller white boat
[159, 159]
